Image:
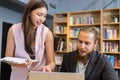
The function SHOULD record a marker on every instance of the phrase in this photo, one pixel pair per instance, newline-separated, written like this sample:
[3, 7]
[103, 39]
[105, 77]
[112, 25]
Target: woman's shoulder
[46, 27]
[16, 26]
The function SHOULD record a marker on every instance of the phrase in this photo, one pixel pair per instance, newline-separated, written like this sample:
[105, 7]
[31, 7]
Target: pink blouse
[22, 73]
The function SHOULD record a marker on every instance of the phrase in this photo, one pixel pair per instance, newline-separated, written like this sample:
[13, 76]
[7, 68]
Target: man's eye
[80, 41]
[87, 43]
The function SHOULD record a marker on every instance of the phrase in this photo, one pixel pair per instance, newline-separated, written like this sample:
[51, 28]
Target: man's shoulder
[101, 56]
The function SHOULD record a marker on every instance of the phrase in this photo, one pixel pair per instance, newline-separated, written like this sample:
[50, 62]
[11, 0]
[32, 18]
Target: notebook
[34, 75]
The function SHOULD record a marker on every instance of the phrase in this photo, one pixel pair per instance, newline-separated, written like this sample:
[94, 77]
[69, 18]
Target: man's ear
[96, 42]
[95, 45]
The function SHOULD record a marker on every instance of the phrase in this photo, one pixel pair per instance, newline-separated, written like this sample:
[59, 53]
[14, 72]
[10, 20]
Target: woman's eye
[39, 14]
[45, 16]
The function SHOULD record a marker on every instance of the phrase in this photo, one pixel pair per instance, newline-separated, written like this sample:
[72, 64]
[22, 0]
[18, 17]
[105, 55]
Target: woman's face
[38, 16]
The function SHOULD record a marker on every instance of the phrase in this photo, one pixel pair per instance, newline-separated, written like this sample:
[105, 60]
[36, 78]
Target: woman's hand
[28, 62]
[47, 69]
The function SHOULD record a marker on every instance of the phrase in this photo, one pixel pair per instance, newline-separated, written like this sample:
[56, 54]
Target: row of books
[61, 17]
[115, 60]
[110, 32]
[59, 43]
[74, 32]
[73, 45]
[60, 29]
[81, 20]
[58, 59]
[57, 68]
[110, 46]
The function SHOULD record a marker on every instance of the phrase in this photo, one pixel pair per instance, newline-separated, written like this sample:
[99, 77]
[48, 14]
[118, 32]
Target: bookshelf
[81, 19]
[106, 20]
[110, 39]
[60, 36]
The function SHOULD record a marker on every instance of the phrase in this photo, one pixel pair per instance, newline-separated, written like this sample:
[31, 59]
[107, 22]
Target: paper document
[15, 60]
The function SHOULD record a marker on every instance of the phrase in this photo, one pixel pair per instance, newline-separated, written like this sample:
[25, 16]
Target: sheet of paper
[15, 60]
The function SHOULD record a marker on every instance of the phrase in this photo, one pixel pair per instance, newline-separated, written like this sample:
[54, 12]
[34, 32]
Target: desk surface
[34, 75]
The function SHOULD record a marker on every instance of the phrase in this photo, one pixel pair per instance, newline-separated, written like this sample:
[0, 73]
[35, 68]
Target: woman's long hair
[27, 24]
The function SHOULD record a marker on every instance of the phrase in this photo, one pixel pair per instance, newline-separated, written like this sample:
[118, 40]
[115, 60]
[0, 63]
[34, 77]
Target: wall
[79, 5]
[9, 16]
[51, 10]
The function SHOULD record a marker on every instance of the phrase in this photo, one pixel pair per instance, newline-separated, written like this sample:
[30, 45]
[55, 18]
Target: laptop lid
[35, 75]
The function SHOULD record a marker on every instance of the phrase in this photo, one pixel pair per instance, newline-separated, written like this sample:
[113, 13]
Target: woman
[31, 39]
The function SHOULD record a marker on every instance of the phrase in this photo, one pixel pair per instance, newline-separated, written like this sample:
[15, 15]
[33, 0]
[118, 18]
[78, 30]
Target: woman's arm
[49, 45]
[10, 44]
[10, 47]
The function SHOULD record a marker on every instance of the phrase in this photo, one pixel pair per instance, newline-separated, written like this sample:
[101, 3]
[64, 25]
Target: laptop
[35, 75]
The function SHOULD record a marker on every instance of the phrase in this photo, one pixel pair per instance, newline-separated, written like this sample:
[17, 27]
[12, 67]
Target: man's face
[86, 43]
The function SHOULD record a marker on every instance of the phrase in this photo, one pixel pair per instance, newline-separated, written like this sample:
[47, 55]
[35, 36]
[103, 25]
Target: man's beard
[84, 57]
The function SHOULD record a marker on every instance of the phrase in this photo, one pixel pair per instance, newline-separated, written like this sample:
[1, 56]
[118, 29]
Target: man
[86, 60]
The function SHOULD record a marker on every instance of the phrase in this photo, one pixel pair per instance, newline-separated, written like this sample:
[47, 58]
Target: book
[15, 60]
[56, 42]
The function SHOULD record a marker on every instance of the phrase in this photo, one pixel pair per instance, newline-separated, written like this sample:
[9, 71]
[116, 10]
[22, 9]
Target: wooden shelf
[61, 52]
[78, 25]
[117, 68]
[102, 19]
[117, 39]
[111, 52]
[61, 22]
